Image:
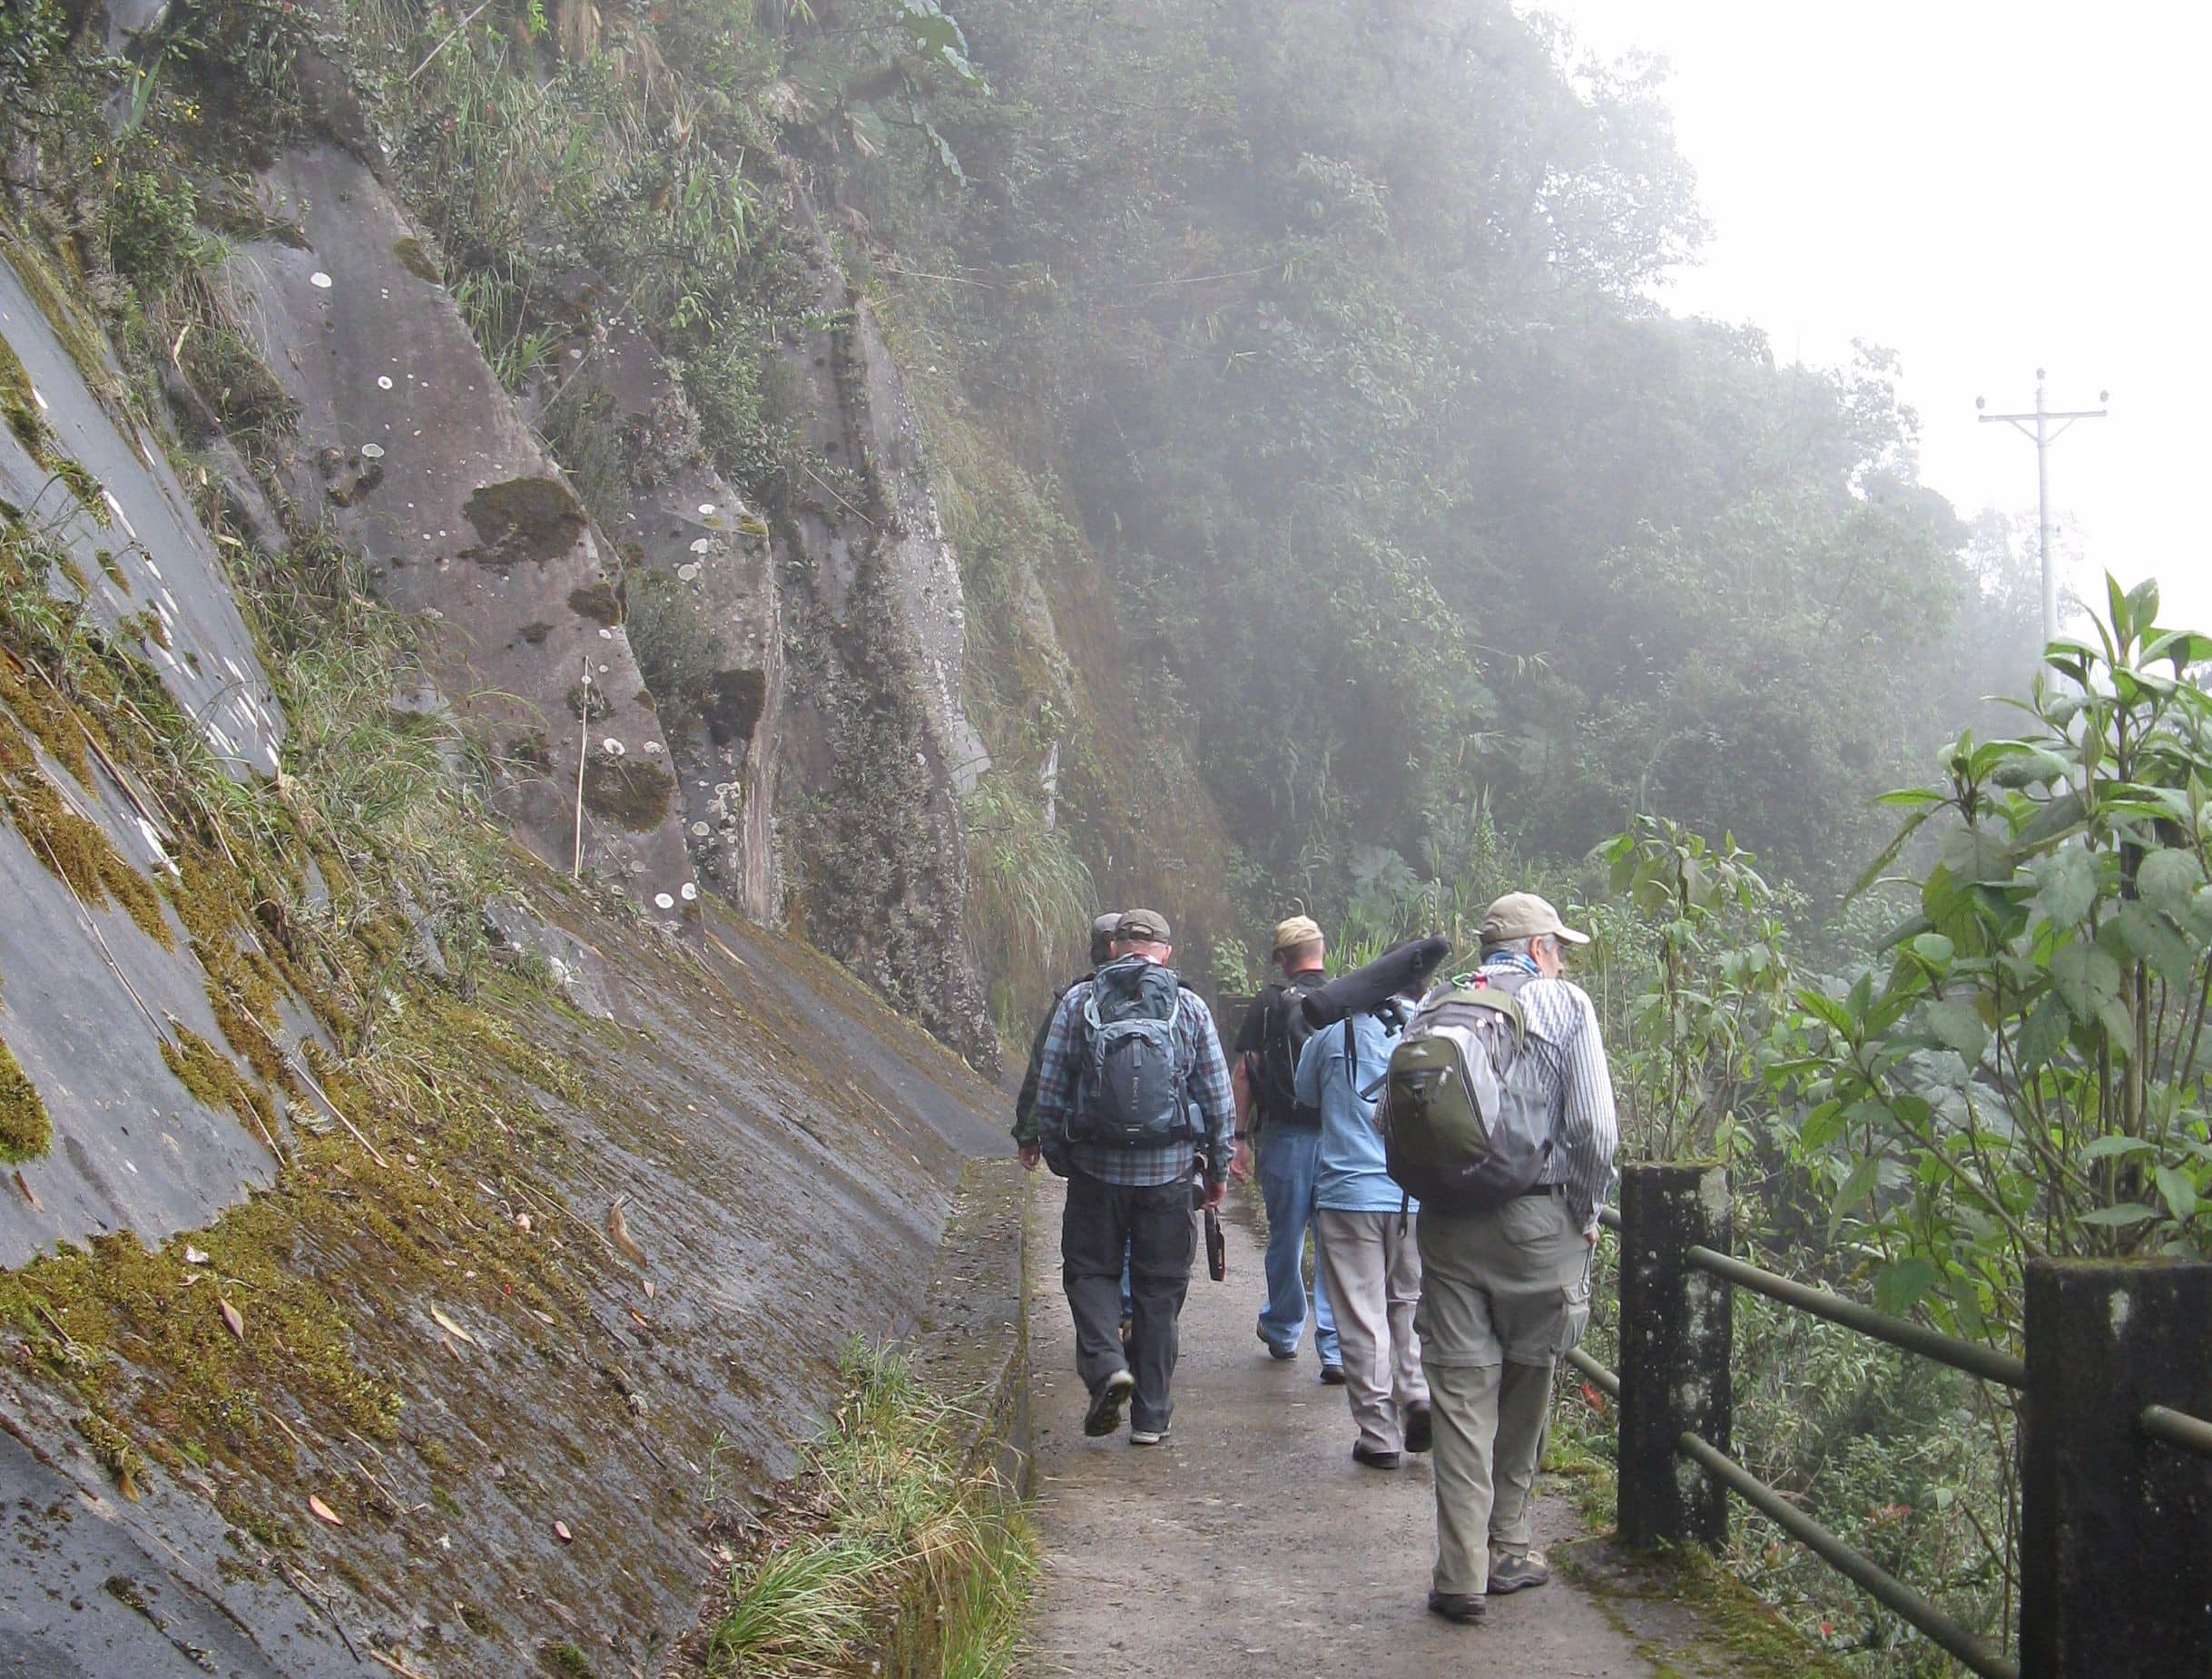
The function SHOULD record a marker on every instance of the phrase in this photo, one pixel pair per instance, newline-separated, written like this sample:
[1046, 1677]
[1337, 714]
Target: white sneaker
[1146, 1437]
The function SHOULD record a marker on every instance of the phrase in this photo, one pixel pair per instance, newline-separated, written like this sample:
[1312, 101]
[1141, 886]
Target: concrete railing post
[1675, 1334]
[2116, 1527]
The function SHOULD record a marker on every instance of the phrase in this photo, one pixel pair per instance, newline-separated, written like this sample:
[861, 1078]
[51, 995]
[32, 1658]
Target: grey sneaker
[1517, 1571]
[1465, 1607]
[1105, 1414]
[1146, 1437]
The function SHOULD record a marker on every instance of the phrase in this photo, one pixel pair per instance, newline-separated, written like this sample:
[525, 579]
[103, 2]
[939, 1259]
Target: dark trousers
[1153, 1226]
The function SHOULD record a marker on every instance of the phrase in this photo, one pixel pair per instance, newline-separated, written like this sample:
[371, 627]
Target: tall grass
[1030, 901]
[905, 1558]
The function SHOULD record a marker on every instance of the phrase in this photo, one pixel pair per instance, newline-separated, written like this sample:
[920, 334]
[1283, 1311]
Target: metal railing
[2089, 1438]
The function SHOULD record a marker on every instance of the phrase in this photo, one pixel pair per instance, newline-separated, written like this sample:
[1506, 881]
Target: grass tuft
[902, 1555]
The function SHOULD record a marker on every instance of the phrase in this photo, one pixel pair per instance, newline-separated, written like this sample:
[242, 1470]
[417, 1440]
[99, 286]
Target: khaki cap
[1146, 927]
[1296, 931]
[1524, 915]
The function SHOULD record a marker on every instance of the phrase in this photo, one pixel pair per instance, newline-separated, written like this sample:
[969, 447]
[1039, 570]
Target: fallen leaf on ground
[193, 1256]
[560, 1532]
[649, 1290]
[450, 1327]
[36, 1204]
[232, 1318]
[323, 1512]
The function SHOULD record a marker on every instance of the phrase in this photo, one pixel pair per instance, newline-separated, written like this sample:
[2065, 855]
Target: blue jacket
[1353, 1178]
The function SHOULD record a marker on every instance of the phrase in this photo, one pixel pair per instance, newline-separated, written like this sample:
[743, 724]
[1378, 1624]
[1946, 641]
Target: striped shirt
[1565, 1057]
[1198, 1047]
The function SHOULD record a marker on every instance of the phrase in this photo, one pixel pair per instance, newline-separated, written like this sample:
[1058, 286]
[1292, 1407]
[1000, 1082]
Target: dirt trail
[1249, 1541]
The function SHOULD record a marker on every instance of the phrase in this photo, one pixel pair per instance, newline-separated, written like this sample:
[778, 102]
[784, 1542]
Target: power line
[2039, 428]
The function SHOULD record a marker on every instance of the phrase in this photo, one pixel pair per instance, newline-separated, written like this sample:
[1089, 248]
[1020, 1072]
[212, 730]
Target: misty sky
[1983, 188]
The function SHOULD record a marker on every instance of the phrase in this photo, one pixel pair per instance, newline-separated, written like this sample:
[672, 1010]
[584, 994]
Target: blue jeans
[1289, 1160]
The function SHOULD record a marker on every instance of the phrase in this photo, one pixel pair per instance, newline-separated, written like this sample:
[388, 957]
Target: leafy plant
[2028, 1076]
[1720, 974]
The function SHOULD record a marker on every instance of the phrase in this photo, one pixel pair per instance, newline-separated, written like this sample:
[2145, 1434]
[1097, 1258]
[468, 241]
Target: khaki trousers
[1374, 1282]
[1503, 1293]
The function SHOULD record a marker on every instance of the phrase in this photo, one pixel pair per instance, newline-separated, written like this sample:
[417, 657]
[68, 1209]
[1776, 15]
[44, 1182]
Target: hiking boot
[1105, 1414]
[1517, 1571]
[1373, 1456]
[1280, 1355]
[1331, 1375]
[1147, 1436]
[1467, 1608]
[1420, 1429]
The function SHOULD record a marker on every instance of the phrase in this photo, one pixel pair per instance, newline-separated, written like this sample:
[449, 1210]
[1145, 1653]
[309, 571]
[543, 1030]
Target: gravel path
[1251, 1542]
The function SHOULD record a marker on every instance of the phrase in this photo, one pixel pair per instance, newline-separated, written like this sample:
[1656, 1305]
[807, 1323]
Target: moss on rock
[26, 1132]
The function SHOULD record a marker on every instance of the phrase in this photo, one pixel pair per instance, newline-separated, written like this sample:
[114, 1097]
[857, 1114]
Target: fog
[1984, 189]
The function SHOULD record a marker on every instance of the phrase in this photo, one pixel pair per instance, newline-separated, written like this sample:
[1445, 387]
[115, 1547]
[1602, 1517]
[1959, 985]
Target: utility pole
[2044, 435]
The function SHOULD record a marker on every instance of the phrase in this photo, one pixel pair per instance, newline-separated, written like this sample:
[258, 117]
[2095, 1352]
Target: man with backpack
[1263, 1077]
[1363, 1231]
[1132, 1103]
[1498, 1113]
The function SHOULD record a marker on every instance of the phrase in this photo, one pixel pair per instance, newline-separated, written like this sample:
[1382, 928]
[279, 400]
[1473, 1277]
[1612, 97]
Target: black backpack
[1275, 1075]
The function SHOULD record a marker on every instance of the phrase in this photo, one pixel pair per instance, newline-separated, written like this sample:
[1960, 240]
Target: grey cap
[1146, 927]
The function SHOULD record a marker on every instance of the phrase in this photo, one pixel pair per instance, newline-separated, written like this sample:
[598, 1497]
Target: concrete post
[2116, 1527]
[1676, 1330]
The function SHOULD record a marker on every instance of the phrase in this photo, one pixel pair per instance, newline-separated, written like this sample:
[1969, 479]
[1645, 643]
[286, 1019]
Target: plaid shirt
[1060, 1072]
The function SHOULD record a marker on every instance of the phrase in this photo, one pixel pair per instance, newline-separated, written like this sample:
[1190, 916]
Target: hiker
[1363, 1237]
[1133, 1109]
[1025, 1100]
[1506, 1233]
[1262, 1078]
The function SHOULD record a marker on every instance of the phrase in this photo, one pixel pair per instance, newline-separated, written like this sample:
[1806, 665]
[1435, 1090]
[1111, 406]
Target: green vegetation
[27, 1130]
[901, 1553]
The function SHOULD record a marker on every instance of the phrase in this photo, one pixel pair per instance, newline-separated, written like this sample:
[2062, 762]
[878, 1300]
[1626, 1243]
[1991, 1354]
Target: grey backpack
[1134, 1081]
[1459, 1133]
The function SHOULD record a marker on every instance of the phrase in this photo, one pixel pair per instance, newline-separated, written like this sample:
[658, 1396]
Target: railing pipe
[1986, 1362]
[2177, 1429]
[1877, 1582]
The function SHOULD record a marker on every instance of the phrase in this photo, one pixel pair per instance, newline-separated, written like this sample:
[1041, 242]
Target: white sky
[1984, 187]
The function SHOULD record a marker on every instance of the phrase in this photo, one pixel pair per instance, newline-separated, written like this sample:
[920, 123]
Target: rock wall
[459, 1342]
[876, 732]
[408, 444]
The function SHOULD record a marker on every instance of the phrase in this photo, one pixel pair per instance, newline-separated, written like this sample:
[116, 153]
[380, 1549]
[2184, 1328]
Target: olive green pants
[1502, 1295]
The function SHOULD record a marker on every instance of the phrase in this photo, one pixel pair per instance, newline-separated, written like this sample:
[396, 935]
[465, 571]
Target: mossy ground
[27, 1130]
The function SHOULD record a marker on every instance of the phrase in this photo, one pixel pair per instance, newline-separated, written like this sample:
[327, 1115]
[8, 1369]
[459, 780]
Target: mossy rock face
[734, 705]
[628, 791]
[596, 601]
[416, 258]
[26, 1132]
[522, 520]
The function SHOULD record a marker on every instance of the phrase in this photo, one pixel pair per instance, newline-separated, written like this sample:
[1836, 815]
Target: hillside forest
[1343, 520]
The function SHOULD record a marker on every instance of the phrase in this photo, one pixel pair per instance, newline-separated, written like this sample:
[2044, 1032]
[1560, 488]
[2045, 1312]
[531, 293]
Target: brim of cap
[1572, 937]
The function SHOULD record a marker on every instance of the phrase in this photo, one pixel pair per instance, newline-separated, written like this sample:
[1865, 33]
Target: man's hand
[1030, 1155]
[1590, 1235]
[1214, 1193]
[1240, 1162]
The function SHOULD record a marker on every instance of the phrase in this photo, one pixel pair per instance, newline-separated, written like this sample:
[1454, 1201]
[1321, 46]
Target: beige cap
[1296, 931]
[1146, 927]
[1524, 915]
